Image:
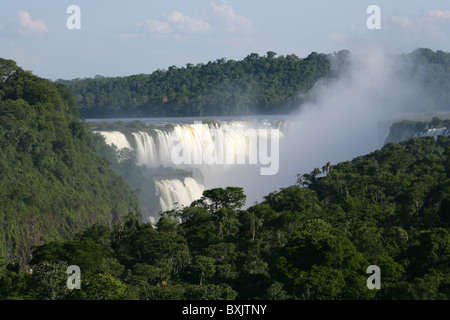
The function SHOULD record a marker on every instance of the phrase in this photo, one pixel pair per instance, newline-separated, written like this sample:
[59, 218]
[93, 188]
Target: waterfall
[146, 152]
[221, 144]
[209, 148]
[435, 132]
[175, 192]
[115, 138]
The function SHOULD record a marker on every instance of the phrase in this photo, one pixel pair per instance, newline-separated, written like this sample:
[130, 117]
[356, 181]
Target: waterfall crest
[115, 138]
[435, 132]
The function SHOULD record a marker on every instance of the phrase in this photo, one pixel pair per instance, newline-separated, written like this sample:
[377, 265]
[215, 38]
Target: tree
[102, 287]
[7, 69]
[316, 254]
[321, 283]
[254, 217]
[219, 198]
[222, 205]
[271, 54]
[15, 285]
[430, 252]
[50, 281]
[203, 268]
[276, 292]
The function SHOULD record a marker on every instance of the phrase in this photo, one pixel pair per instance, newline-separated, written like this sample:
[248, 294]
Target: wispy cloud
[187, 24]
[175, 22]
[156, 26]
[232, 22]
[429, 23]
[29, 26]
[221, 19]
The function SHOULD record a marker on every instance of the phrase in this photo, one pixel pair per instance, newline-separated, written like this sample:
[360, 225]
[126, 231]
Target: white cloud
[187, 24]
[222, 19]
[156, 26]
[430, 24]
[29, 26]
[175, 21]
[232, 22]
[427, 19]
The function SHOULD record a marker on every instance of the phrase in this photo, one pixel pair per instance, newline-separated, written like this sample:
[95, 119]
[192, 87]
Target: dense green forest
[257, 84]
[53, 182]
[313, 240]
[268, 84]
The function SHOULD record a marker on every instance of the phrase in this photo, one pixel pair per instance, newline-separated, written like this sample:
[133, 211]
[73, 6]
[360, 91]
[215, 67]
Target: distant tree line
[257, 84]
[268, 84]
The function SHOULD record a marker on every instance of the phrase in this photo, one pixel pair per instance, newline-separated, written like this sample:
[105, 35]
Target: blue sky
[119, 38]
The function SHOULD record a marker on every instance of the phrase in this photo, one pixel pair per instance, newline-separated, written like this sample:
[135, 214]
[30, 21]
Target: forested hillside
[53, 183]
[314, 240]
[256, 84]
[268, 84]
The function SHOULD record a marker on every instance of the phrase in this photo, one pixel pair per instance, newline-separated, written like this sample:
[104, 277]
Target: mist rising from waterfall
[341, 123]
[344, 120]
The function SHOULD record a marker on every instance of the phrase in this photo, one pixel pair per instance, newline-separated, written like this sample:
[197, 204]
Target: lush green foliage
[53, 183]
[314, 240]
[255, 85]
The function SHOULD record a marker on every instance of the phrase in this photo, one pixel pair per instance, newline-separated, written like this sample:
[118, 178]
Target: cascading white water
[115, 138]
[174, 192]
[211, 148]
[145, 149]
[225, 143]
[435, 132]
